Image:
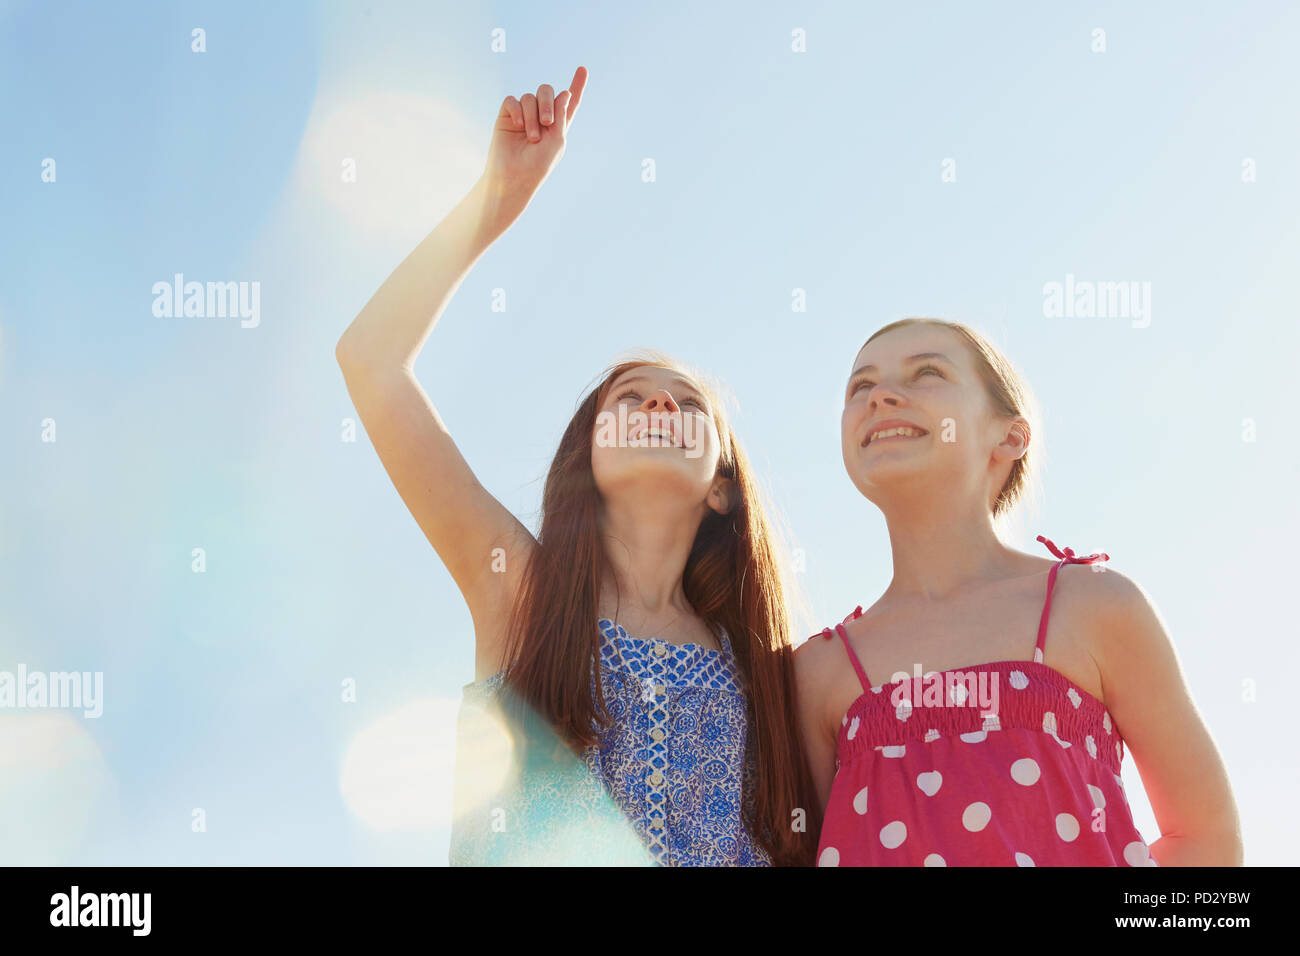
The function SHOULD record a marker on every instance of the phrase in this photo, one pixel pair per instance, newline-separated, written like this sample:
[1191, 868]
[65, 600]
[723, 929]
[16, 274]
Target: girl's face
[655, 434]
[917, 419]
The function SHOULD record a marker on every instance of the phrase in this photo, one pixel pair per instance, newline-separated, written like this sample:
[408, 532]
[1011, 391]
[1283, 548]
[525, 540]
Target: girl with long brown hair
[644, 627]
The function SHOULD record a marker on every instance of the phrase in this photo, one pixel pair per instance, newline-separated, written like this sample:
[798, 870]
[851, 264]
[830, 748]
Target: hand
[527, 142]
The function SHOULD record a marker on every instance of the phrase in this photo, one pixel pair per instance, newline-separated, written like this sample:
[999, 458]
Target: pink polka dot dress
[1000, 764]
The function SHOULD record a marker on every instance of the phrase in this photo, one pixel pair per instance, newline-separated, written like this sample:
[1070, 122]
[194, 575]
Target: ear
[1015, 441]
[723, 496]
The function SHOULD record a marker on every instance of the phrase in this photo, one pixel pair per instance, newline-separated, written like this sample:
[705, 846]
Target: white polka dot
[1098, 798]
[903, 710]
[1024, 859]
[1067, 827]
[975, 736]
[1119, 753]
[934, 859]
[929, 783]
[1137, 854]
[1064, 743]
[1075, 699]
[991, 722]
[897, 750]
[844, 720]
[1105, 720]
[1049, 723]
[853, 728]
[1091, 745]
[893, 834]
[1018, 680]
[860, 801]
[830, 857]
[957, 694]
[976, 817]
[878, 689]
[1025, 771]
[931, 735]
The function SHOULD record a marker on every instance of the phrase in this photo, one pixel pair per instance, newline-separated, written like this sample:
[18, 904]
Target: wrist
[500, 204]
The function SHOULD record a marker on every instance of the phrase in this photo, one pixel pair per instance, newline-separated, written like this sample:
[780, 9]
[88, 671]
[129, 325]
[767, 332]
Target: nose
[660, 400]
[884, 394]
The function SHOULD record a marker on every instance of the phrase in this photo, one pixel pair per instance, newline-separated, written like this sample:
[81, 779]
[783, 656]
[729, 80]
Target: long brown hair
[732, 578]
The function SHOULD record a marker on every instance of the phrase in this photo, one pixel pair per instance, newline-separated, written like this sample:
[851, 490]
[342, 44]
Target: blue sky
[775, 170]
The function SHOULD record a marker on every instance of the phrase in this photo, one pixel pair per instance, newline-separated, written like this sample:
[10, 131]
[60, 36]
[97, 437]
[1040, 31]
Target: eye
[859, 383]
[686, 401]
[928, 368]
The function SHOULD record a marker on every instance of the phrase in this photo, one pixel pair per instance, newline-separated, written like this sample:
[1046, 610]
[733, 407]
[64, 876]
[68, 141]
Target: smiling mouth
[889, 434]
[662, 436]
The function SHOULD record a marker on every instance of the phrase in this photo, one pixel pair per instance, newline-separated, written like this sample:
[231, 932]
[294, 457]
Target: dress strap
[1067, 557]
[853, 658]
[725, 640]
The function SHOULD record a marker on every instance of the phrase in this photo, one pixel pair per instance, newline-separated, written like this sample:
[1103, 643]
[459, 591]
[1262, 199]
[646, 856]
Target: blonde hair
[1009, 395]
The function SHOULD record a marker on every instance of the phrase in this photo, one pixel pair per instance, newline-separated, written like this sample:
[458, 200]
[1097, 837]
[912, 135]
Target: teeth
[891, 432]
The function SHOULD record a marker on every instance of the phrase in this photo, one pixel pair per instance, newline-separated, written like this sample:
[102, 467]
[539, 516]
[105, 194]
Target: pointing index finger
[575, 89]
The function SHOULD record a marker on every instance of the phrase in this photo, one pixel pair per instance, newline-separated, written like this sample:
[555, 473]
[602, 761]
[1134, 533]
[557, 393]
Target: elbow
[345, 352]
[1222, 849]
[352, 357]
[356, 357]
[1233, 850]
[1200, 849]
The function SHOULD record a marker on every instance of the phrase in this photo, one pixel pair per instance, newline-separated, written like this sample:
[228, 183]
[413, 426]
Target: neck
[646, 545]
[939, 549]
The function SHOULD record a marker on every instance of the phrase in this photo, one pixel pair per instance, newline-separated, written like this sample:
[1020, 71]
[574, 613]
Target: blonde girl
[978, 712]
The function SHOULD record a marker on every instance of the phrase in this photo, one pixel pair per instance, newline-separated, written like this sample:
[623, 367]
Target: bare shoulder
[1117, 613]
[816, 668]
[814, 658]
[1110, 592]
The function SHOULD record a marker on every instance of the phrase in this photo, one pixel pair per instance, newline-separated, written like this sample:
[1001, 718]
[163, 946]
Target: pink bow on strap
[1070, 557]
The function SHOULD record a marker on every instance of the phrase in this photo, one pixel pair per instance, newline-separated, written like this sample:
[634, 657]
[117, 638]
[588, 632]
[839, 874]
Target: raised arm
[464, 523]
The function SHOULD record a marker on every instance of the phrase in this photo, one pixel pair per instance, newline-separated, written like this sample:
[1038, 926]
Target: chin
[875, 478]
[655, 475]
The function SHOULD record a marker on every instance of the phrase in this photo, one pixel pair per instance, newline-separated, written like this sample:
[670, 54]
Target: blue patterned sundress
[663, 786]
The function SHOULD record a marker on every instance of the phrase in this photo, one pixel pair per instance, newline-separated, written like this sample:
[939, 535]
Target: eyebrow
[642, 378]
[919, 356]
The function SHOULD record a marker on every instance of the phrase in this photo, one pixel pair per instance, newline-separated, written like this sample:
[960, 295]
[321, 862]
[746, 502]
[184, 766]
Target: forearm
[393, 326]
[1198, 850]
[527, 141]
